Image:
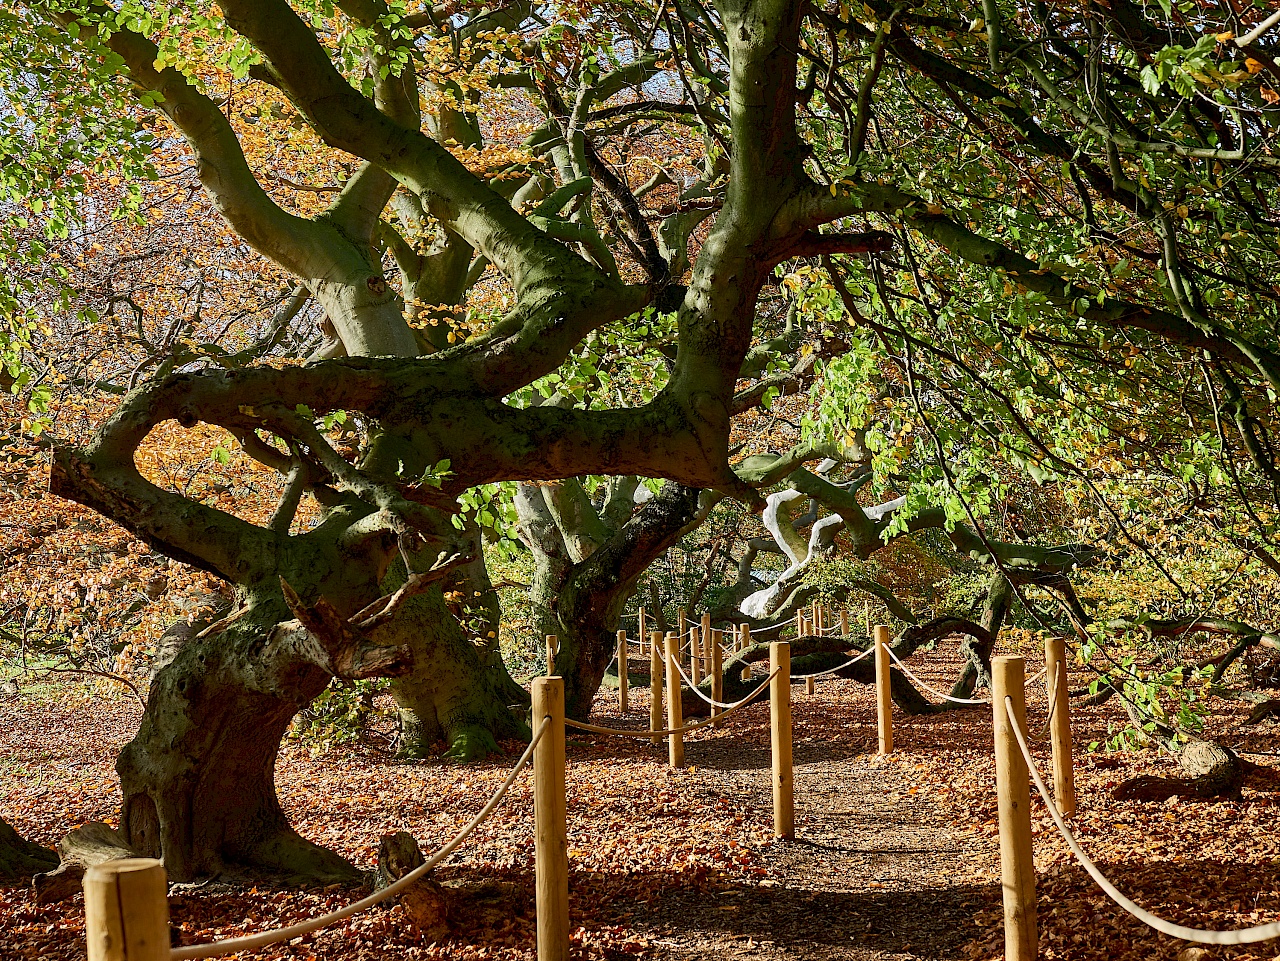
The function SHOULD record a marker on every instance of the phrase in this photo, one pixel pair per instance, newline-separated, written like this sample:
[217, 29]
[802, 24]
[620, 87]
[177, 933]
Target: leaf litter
[896, 857]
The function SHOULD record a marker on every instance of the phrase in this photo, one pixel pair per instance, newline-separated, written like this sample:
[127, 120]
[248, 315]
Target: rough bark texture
[456, 693]
[426, 901]
[79, 850]
[1214, 771]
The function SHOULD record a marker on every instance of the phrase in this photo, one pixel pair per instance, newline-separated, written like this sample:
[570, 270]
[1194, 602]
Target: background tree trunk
[459, 691]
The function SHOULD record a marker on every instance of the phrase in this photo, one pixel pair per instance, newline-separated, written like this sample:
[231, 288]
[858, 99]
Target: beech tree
[823, 135]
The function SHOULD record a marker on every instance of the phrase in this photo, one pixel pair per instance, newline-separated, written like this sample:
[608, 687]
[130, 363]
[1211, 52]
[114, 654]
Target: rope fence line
[1053, 702]
[729, 709]
[263, 939]
[946, 697]
[832, 670]
[1262, 932]
[121, 899]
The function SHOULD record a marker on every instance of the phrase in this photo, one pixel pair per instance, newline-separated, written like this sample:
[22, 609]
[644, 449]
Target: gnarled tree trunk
[198, 779]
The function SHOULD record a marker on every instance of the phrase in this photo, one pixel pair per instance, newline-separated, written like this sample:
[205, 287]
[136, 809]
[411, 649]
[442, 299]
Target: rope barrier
[618, 732]
[840, 667]
[1053, 702]
[265, 938]
[946, 697]
[1262, 932]
[693, 687]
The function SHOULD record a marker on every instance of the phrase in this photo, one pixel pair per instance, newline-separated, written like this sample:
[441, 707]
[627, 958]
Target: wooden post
[811, 627]
[675, 709]
[641, 628]
[655, 685]
[1064, 775]
[553, 644]
[744, 631]
[717, 677]
[844, 622]
[623, 667]
[866, 616]
[1013, 799]
[551, 845]
[126, 910]
[695, 657]
[784, 802]
[683, 626]
[884, 692]
[799, 624]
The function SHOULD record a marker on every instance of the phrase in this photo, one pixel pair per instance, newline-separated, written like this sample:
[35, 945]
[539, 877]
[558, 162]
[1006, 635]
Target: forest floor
[895, 858]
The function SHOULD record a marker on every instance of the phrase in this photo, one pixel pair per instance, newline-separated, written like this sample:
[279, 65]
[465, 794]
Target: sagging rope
[946, 697]
[1053, 698]
[833, 670]
[694, 687]
[261, 940]
[618, 732]
[1262, 932]
[714, 703]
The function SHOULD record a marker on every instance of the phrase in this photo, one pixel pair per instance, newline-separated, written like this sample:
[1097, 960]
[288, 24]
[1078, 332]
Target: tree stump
[87, 845]
[425, 901]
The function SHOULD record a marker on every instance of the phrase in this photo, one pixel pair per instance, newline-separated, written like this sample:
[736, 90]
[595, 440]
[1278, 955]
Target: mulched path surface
[868, 876]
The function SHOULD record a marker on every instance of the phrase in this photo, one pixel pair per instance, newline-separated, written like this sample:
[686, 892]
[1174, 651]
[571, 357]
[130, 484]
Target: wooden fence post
[810, 627]
[744, 632]
[675, 708]
[641, 628]
[623, 667]
[884, 690]
[844, 622]
[706, 643]
[553, 644]
[695, 657]
[784, 802]
[655, 685]
[684, 629]
[1013, 799]
[1064, 775]
[717, 676]
[126, 910]
[551, 845]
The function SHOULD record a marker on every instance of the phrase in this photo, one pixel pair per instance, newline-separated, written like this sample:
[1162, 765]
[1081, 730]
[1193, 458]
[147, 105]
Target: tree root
[1265, 710]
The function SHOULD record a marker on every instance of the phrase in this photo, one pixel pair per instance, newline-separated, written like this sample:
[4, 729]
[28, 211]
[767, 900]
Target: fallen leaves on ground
[643, 837]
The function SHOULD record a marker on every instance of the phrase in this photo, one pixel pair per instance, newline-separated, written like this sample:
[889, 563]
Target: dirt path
[867, 878]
